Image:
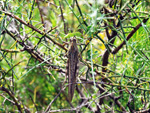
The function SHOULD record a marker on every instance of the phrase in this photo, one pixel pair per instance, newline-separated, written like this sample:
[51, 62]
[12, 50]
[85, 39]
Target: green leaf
[73, 34]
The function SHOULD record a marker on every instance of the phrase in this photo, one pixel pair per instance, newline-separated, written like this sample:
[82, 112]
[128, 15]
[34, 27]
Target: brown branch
[115, 99]
[13, 97]
[7, 99]
[97, 72]
[83, 98]
[129, 36]
[35, 29]
[63, 19]
[11, 50]
[37, 1]
[72, 109]
[143, 111]
[107, 52]
[33, 53]
[50, 104]
[105, 60]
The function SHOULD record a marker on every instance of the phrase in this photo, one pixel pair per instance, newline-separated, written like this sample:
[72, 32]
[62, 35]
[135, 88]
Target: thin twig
[111, 96]
[13, 97]
[42, 20]
[35, 29]
[129, 36]
[63, 19]
[81, 13]
[83, 98]
[50, 104]
[33, 53]
[72, 109]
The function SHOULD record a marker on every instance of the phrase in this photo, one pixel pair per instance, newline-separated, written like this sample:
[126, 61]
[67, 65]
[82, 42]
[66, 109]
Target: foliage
[113, 38]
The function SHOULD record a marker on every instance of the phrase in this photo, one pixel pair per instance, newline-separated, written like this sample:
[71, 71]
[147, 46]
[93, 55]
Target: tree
[113, 43]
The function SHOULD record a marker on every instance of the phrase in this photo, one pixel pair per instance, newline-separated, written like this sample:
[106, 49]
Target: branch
[13, 97]
[129, 36]
[110, 95]
[72, 109]
[50, 104]
[35, 29]
[63, 19]
[40, 11]
[83, 98]
[81, 13]
[34, 54]
[143, 111]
